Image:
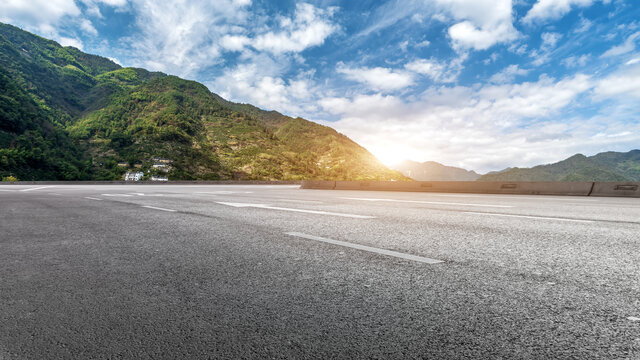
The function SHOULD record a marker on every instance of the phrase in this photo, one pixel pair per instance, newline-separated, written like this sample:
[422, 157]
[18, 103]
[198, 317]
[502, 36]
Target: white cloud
[87, 27]
[431, 68]
[508, 74]
[261, 86]
[543, 54]
[47, 17]
[478, 24]
[185, 37]
[517, 48]
[436, 70]
[483, 23]
[628, 46]
[93, 6]
[234, 42]
[549, 40]
[623, 83]
[41, 15]
[182, 37]
[378, 78]
[576, 61]
[481, 128]
[376, 105]
[544, 10]
[585, 24]
[66, 41]
[309, 27]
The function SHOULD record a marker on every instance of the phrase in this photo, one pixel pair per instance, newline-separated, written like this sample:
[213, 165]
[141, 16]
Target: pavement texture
[221, 271]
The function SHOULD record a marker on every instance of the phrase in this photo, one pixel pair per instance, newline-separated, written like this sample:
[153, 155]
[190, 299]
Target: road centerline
[367, 248]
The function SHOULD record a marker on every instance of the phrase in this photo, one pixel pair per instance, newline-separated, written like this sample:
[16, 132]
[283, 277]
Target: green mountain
[434, 171]
[606, 166]
[69, 115]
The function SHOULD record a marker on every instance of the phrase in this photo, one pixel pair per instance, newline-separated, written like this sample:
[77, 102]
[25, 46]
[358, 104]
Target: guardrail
[584, 188]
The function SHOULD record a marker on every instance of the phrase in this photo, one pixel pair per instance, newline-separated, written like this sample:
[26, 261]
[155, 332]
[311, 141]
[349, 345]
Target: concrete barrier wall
[628, 189]
[486, 187]
[177, 182]
[625, 189]
[318, 184]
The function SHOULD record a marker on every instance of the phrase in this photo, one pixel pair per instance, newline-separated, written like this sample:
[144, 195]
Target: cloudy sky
[481, 84]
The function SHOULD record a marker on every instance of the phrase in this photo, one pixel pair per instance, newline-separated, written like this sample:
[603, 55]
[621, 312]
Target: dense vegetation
[606, 166]
[69, 115]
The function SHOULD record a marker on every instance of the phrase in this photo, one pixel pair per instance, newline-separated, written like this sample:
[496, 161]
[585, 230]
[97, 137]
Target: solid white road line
[92, 198]
[120, 195]
[529, 217]
[427, 202]
[367, 248]
[158, 208]
[38, 188]
[263, 206]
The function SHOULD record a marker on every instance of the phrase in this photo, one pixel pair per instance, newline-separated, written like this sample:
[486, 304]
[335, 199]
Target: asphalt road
[248, 271]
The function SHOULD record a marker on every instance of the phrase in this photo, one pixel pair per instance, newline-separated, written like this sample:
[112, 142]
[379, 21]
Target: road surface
[257, 271]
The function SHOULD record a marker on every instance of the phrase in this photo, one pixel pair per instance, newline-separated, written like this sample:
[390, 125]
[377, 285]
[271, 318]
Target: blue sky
[481, 84]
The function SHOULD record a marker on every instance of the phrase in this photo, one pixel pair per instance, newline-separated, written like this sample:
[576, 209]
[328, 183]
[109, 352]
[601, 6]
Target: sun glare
[390, 156]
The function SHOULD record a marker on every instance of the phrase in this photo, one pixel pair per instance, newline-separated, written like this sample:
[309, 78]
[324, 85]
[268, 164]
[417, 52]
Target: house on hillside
[123, 164]
[159, 178]
[162, 160]
[161, 167]
[133, 176]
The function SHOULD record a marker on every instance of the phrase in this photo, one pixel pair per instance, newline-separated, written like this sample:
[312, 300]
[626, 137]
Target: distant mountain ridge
[434, 171]
[68, 115]
[605, 166]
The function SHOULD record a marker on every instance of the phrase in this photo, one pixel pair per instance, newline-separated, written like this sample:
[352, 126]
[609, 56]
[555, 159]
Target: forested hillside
[67, 115]
[606, 166]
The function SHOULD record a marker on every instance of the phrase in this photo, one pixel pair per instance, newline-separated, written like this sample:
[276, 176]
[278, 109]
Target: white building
[133, 176]
[161, 167]
[159, 178]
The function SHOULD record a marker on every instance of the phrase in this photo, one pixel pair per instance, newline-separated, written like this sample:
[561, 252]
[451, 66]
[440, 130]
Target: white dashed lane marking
[367, 248]
[37, 188]
[529, 217]
[427, 202]
[158, 208]
[317, 212]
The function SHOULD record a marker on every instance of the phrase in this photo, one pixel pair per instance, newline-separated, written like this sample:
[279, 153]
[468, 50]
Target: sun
[390, 156]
